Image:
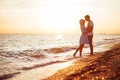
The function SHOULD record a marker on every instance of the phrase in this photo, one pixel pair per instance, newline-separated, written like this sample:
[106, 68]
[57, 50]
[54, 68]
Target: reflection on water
[59, 37]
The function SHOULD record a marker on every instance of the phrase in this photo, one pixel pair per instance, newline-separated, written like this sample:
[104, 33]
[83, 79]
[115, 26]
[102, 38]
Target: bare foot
[74, 55]
[80, 56]
[91, 54]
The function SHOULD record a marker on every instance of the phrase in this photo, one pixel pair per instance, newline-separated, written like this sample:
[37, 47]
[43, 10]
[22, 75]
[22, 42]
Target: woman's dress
[83, 37]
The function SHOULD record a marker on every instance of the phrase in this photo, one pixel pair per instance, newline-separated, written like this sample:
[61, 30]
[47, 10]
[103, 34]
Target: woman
[83, 38]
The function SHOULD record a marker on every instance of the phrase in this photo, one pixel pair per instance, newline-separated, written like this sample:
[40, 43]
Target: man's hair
[87, 16]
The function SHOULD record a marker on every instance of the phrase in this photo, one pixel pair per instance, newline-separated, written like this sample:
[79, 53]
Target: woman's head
[82, 21]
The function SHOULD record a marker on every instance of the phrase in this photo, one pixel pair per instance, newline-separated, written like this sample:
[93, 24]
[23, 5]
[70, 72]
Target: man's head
[87, 17]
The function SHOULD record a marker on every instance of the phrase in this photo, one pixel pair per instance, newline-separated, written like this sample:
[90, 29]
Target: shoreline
[37, 72]
[101, 66]
[41, 72]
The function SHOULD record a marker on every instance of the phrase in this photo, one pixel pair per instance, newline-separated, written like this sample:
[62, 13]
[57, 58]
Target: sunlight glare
[59, 37]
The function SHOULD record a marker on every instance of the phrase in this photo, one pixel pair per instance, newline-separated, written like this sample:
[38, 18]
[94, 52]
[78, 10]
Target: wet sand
[40, 72]
[101, 66]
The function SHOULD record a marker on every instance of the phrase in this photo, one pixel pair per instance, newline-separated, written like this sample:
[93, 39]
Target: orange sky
[58, 16]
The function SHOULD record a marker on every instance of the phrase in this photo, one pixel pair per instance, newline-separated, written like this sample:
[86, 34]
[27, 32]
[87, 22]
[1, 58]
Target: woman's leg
[80, 49]
[76, 51]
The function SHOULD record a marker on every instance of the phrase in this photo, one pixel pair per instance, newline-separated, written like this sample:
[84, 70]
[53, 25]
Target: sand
[101, 66]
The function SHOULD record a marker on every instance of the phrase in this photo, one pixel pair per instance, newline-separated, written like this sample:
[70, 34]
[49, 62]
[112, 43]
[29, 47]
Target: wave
[111, 38]
[59, 50]
[41, 65]
[48, 63]
[7, 76]
[29, 54]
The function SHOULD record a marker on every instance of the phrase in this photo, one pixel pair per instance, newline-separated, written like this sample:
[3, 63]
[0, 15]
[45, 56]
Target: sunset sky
[58, 16]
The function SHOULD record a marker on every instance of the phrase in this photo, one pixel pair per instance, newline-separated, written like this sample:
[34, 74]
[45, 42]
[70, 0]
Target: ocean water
[24, 52]
[40, 42]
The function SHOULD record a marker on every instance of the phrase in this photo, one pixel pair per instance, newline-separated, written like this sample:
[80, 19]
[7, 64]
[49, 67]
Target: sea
[19, 52]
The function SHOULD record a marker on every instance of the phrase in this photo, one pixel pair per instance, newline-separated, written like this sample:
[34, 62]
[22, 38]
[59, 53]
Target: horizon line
[55, 34]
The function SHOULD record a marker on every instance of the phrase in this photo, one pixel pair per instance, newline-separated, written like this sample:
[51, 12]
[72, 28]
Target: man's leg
[90, 37]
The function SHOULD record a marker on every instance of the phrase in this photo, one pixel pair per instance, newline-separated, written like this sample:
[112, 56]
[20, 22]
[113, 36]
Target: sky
[58, 16]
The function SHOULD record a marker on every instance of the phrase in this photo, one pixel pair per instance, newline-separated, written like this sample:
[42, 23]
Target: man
[89, 32]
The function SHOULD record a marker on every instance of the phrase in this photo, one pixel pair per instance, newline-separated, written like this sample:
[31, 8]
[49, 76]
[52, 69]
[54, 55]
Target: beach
[104, 65]
[101, 66]
[39, 57]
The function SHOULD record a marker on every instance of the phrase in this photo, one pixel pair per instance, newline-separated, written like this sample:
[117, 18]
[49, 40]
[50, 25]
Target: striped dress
[83, 37]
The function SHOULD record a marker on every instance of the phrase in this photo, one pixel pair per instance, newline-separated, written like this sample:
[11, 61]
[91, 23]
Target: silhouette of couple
[87, 35]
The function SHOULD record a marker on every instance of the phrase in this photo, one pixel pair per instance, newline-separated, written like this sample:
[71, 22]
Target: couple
[87, 35]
